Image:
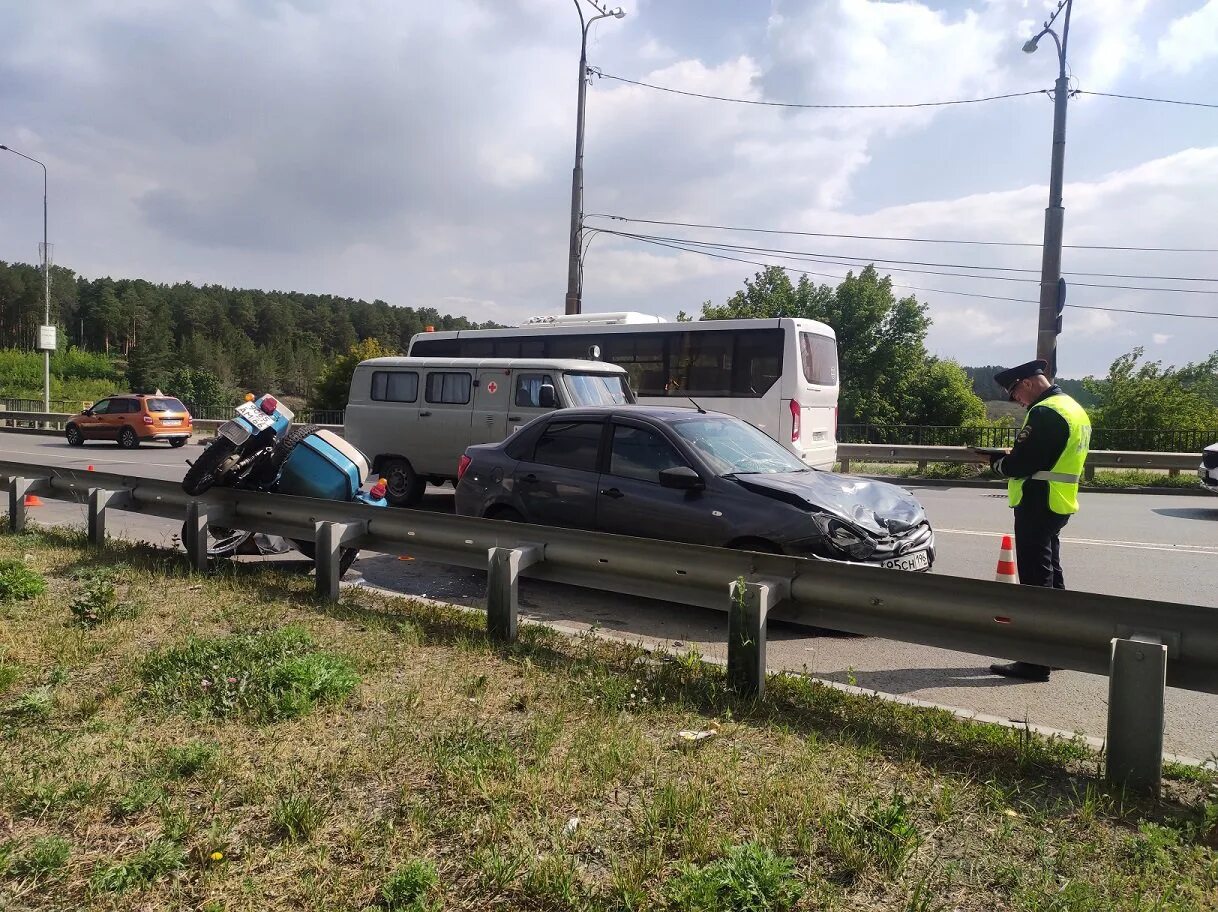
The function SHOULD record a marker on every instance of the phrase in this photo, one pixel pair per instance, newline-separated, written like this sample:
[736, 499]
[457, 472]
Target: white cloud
[1161, 338]
[1191, 39]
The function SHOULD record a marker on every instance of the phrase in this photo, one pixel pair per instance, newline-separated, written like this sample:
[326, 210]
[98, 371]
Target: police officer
[1043, 471]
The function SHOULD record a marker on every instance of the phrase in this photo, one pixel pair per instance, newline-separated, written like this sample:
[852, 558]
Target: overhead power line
[908, 240]
[1170, 101]
[965, 294]
[817, 107]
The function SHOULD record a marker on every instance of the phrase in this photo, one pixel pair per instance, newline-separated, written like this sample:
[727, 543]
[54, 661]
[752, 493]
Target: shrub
[18, 582]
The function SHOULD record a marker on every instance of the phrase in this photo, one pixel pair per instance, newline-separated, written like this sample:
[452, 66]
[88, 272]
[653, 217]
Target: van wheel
[405, 488]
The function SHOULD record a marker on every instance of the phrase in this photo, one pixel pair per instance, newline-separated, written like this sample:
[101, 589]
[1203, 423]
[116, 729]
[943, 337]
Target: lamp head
[1029, 46]
[619, 13]
[5, 148]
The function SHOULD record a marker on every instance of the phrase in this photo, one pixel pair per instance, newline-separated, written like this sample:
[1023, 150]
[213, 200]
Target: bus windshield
[734, 447]
[598, 389]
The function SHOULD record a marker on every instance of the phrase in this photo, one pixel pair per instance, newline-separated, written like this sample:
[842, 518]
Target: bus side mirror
[546, 397]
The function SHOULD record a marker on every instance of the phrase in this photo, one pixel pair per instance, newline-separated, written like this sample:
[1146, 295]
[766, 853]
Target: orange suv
[132, 419]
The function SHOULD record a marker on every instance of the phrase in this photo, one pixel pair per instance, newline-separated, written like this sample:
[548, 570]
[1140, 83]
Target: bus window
[643, 357]
[758, 361]
[435, 348]
[819, 356]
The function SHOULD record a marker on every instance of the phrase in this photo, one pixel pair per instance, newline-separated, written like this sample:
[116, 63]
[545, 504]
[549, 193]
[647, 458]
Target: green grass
[1104, 478]
[18, 582]
[546, 775]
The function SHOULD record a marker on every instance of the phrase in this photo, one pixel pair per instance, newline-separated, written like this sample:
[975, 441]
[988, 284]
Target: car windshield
[733, 447]
[598, 389]
[165, 405]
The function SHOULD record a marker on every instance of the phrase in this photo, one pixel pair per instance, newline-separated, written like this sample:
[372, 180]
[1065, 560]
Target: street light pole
[46, 280]
[1055, 215]
[574, 273]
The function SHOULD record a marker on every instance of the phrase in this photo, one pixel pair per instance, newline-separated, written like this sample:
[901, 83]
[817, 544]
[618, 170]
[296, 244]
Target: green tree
[334, 384]
[151, 360]
[1148, 396]
[199, 387]
[887, 376]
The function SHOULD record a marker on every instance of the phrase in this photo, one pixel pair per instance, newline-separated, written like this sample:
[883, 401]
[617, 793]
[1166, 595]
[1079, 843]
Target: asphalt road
[1149, 546]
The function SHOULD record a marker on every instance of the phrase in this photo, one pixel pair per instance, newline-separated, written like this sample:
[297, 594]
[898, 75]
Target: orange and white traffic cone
[1006, 572]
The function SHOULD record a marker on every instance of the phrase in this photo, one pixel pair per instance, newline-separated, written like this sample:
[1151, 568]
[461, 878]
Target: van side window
[395, 386]
[528, 389]
[569, 445]
[449, 388]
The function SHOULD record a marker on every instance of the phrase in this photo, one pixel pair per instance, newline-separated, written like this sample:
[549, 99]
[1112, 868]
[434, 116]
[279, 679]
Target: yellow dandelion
[216, 856]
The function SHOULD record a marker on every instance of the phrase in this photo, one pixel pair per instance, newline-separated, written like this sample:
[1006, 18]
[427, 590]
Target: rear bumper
[170, 435]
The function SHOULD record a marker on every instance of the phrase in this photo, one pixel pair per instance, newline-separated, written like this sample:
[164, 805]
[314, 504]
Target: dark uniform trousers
[1037, 546]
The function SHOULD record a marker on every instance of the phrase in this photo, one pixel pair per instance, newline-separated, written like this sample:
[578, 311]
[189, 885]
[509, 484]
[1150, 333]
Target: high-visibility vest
[1064, 476]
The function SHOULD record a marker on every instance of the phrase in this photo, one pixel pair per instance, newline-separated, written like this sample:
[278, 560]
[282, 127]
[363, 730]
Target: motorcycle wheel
[206, 470]
[222, 541]
[283, 449]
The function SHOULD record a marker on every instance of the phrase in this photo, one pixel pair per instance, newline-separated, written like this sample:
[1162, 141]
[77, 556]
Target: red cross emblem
[491, 387]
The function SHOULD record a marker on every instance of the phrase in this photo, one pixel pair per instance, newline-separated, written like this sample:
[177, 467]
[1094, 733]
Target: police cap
[1012, 375]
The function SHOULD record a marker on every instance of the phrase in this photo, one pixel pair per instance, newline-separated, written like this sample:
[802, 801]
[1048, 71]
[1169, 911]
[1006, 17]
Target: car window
[395, 386]
[123, 406]
[449, 388]
[528, 389]
[641, 454]
[734, 447]
[569, 445]
[101, 408]
[165, 405]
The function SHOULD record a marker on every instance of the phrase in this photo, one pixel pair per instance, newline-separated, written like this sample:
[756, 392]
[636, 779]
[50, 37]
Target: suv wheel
[128, 439]
[75, 437]
[405, 488]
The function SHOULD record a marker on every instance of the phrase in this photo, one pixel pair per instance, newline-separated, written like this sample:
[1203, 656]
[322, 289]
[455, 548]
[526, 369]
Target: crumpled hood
[874, 506]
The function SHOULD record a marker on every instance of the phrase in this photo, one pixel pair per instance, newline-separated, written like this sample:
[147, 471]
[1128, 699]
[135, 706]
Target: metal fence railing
[1135, 439]
[303, 415]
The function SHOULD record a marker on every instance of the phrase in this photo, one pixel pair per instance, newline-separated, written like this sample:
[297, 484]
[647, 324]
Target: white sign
[46, 338]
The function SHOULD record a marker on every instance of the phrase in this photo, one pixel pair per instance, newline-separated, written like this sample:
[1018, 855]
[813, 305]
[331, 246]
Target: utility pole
[46, 333]
[1051, 290]
[574, 272]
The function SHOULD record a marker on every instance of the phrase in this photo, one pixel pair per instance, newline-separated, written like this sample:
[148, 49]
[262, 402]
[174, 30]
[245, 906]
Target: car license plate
[255, 416]
[915, 560]
[171, 422]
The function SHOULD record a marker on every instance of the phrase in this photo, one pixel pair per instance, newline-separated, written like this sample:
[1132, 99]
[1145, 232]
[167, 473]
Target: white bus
[778, 374]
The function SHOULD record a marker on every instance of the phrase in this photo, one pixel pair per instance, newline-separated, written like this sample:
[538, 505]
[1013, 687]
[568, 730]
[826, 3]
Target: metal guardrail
[56, 421]
[1165, 440]
[1140, 644]
[1173, 463]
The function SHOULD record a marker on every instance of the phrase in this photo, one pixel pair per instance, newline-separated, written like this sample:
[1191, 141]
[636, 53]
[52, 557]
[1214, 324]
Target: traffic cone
[33, 500]
[1006, 572]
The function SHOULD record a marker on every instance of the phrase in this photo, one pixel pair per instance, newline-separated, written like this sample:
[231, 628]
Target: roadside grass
[1104, 478]
[381, 754]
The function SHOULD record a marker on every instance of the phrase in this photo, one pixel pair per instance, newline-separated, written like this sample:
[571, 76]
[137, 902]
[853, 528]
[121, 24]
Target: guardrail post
[845, 464]
[746, 649]
[98, 499]
[194, 535]
[503, 566]
[327, 557]
[1089, 472]
[18, 488]
[1137, 678]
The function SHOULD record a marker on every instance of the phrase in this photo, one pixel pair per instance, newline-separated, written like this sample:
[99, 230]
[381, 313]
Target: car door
[631, 500]
[557, 484]
[110, 422]
[492, 399]
[444, 422]
[90, 425]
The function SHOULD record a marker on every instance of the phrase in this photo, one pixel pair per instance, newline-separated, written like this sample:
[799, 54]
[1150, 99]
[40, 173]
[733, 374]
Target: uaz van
[414, 417]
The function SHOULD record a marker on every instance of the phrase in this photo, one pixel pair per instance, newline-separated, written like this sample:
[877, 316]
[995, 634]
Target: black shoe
[1025, 670]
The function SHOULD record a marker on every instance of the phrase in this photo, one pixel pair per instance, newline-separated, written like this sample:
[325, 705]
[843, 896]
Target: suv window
[124, 406]
[528, 389]
[569, 445]
[165, 405]
[102, 408]
[641, 454]
[449, 388]
[395, 386]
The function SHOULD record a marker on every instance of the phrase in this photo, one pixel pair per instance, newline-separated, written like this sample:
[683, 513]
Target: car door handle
[530, 478]
[424, 414]
[612, 492]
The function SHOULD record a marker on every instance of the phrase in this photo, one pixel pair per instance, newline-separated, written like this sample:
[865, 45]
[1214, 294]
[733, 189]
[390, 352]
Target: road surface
[1157, 547]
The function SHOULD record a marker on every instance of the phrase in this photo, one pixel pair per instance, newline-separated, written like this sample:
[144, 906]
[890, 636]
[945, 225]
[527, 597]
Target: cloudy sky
[420, 152]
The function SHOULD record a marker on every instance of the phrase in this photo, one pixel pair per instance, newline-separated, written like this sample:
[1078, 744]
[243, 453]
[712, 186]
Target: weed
[408, 887]
[187, 761]
[497, 869]
[160, 857]
[884, 835]
[45, 856]
[176, 823]
[296, 817]
[8, 675]
[18, 582]
[749, 877]
[1186, 772]
[139, 797]
[268, 675]
[552, 879]
[96, 602]
[470, 752]
[33, 705]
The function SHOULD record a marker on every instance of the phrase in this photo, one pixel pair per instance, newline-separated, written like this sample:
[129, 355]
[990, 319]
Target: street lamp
[43, 337]
[1052, 290]
[574, 276]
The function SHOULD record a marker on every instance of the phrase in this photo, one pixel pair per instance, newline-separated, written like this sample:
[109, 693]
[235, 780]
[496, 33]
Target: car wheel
[128, 439]
[181, 441]
[405, 488]
[75, 437]
[504, 514]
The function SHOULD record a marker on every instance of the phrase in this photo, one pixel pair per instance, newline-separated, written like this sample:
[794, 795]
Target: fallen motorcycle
[260, 450]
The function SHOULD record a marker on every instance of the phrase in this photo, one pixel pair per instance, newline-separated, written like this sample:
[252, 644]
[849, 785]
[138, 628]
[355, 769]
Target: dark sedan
[689, 476]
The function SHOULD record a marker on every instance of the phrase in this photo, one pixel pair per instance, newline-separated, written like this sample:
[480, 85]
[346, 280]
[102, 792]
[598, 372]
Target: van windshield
[598, 389]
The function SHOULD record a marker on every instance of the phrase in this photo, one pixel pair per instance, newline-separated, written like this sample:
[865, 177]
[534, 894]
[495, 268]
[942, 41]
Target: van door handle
[612, 492]
[424, 414]
[513, 417]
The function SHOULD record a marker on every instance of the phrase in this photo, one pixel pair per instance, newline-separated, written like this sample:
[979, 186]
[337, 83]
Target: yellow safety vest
[1063, 477]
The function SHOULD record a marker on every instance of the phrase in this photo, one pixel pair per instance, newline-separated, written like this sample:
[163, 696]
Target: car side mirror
[683, 478]
[546, 397]
[88, 411]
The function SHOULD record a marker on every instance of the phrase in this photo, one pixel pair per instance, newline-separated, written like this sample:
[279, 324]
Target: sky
[420, 153]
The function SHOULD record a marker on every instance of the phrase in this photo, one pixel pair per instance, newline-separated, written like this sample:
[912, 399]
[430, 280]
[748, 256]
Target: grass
[383, 754]
[18, 582]
[1104, 478]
